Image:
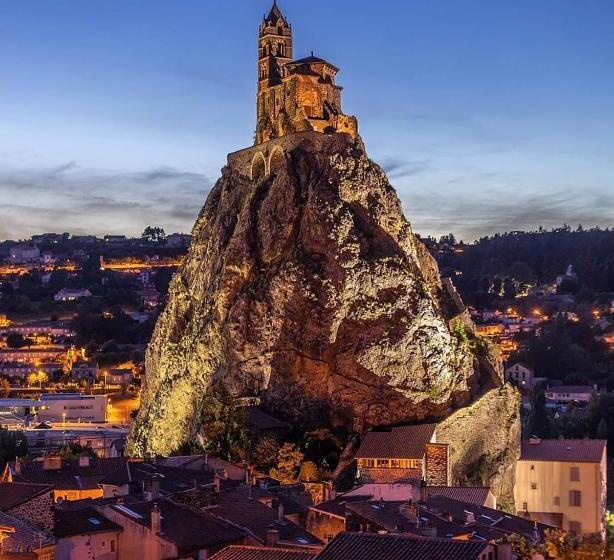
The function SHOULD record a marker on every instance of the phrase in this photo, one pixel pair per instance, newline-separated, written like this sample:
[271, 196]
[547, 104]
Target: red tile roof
[13, 494]
[405, 442]
[368, 546]
[259, 553]
[563, 450]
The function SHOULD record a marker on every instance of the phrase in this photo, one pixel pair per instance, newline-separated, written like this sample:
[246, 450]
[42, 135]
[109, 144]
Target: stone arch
[258, 168]
[276, 159]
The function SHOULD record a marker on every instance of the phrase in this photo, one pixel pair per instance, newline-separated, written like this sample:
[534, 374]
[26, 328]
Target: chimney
[84, 461]
[409, 510]
[17, 468]
[156, 520]
[469, 518]
[216, 482]
[52, 463]
[272, 537]
[280, 511]
[504, 551]
[423, 491]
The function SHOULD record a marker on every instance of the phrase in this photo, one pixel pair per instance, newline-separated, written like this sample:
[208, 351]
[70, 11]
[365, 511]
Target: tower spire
[274, 14]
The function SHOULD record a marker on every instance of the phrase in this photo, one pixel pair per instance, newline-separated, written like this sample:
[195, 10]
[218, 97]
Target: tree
[602, 429]
[5, 388]
[289, 460]
[39, 377]
[309, 472]
[153, 234]
[72, 451]
[12, 445]
[223, 426]
[265, 452]
[16, 340]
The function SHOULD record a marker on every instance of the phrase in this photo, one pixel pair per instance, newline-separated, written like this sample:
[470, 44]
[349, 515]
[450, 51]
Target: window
[525, 506]
[575, 527]
[575, 498]
[574, 474]
[382, 463]
[557, 501]
[112, 545]
[533, 485]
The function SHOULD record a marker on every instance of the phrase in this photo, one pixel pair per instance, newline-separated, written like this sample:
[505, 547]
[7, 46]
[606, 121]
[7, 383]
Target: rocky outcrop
[484, 440]
[309, 289]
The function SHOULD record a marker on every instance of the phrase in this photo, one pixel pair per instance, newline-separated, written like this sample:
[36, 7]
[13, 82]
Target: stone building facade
[295, 95]
[31, 503]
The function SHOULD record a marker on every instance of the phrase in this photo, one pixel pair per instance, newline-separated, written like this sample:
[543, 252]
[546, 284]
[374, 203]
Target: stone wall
[437, 464]
[323, 526]
[38, 511]
[242, 160]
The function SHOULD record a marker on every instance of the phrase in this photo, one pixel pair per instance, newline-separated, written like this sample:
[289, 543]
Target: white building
[72, 294]
[73, 407]
[520, 375]
[563, 394]
[20, 254]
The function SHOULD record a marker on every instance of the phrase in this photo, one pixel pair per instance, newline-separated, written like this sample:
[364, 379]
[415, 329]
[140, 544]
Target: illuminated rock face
[307, 288]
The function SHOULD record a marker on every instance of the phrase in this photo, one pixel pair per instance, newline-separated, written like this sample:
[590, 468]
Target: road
[120, 406]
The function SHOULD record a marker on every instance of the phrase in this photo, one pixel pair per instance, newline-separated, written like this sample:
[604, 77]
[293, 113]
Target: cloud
[397, 168]
[471, 214]
[68, 197]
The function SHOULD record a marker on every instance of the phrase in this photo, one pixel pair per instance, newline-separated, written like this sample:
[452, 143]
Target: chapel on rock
[295, 95]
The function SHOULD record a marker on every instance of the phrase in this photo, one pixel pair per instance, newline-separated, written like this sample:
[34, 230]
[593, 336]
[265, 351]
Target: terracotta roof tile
[405, 442]
[469, 494]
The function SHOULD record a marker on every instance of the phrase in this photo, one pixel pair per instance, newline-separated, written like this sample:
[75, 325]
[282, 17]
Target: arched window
[276, 160]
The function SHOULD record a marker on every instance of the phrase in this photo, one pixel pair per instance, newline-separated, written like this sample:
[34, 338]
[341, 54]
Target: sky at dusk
[488, 115]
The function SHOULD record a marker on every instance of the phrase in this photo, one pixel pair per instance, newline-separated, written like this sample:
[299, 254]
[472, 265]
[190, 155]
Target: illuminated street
[120, 406]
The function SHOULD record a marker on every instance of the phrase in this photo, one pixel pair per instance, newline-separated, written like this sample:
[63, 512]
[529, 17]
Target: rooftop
[189, 529]
[13, 494]
[368, 546]
[25, 536]
[563, 450]
[69, 523]
[405, 442]
[570, 389]
[257, 518]
[260, 553]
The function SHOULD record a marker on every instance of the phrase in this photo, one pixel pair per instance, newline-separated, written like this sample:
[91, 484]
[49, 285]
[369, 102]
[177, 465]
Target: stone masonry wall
[38, 511]
[437, 465]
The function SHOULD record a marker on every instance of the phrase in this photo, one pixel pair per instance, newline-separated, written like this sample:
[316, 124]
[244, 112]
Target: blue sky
[488, 115]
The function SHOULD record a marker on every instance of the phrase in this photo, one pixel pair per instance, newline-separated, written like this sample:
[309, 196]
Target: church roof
[274, 14]
[310, 60]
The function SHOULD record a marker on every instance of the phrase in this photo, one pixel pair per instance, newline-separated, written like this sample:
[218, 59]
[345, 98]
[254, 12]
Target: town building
[34, 356]
[51, 330]
[402, 454]
[71, 479]
[21, 540]
[86, 371]
[521, 375]
[295, 95]
[85, 533]
[73, 407]
[24, 254]
[178, 240]
[567, 394]
[563, 483]
[161, 529]
[32, 503]
[72, 294]
[329, 518]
